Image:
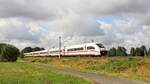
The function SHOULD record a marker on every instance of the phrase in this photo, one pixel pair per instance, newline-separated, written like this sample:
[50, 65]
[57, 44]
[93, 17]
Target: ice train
[87, 49]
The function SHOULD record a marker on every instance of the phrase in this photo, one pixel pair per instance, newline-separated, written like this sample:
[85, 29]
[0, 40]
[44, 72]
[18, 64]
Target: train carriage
[96, 49]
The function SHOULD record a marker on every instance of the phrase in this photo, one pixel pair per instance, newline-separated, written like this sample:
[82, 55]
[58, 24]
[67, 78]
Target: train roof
[82, 45]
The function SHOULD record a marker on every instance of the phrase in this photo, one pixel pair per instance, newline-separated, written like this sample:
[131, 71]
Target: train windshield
[100, 45]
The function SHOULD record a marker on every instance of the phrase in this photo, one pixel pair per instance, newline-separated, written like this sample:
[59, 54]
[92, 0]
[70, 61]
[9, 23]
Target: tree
[144, 50]
[26, 50]
[132, 52]
[112, 52]
[8, 52]
[30, 49]
[37, 49]
[139, 52]
[121, 51]
[148, 52]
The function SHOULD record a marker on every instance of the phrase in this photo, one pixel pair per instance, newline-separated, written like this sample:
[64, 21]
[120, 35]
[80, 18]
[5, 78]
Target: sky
[40, 22]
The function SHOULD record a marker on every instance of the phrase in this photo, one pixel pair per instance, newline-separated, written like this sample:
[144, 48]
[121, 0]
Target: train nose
[103, 53]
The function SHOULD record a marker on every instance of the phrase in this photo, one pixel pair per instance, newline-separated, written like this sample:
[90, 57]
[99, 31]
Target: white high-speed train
[91, 49]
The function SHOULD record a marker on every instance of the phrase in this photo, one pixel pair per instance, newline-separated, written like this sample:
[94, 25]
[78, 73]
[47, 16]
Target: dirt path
[97, 79]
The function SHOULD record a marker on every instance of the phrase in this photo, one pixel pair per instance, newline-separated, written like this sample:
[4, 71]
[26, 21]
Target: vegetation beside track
[24, 73]
[128, 67]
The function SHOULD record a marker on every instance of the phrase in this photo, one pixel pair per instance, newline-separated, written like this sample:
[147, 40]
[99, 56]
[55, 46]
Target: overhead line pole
[59, 46]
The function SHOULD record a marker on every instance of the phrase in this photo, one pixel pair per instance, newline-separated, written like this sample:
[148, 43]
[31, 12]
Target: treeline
[122, 51]
[30, 49]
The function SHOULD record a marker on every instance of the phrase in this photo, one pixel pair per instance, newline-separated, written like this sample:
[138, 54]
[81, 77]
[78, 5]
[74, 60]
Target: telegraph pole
[64, 50]
[59, 46]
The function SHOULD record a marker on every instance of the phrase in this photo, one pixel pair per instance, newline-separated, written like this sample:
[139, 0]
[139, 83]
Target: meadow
[135, 68]
[25, 73]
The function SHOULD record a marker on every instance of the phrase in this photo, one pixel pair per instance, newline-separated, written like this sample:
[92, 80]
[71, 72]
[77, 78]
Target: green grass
[23, 73]
[136, 68]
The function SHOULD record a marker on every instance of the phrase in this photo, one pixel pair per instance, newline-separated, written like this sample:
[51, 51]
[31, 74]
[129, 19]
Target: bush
[8, 52]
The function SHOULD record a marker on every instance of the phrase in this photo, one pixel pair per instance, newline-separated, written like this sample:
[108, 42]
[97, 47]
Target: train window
[75, 49]
[90, 48]
[79, 48]
[70, 49]
[100, 45]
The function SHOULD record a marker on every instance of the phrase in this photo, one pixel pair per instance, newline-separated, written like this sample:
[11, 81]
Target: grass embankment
[131, 68]
[22, 73]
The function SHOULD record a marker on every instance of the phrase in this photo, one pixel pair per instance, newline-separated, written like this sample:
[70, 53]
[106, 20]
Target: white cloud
[76, 25]
[13, 29]
[31, 23]
[113, 7]
[107, 28]
[19, 33]
[129, 26]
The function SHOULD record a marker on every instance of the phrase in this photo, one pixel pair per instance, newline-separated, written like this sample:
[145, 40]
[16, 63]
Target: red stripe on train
[82, 51]
[76, 51]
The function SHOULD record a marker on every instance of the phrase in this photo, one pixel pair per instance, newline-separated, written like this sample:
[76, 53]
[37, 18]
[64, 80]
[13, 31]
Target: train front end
[103, 51]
